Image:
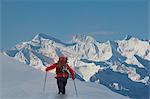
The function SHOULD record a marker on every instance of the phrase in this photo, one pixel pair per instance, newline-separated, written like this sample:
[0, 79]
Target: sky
[104, 20]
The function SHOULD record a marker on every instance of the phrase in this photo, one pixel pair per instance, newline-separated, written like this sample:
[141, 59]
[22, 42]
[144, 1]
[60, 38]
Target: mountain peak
[128, 37]
[45, 36]
[42, 35]
[82, 38]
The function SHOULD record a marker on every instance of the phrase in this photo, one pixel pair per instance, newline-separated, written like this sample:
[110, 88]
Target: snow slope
[92, 60]
[19, 81]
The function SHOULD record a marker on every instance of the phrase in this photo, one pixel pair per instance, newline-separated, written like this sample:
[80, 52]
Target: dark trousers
[61, 83]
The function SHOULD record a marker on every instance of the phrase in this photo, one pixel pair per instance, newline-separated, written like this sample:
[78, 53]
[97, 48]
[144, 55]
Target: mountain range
[121, 65]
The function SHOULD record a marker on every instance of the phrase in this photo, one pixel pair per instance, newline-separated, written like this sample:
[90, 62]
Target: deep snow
[19, 81]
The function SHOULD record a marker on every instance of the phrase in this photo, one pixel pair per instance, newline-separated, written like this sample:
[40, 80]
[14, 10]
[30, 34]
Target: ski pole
[45, 82]
[75, 87]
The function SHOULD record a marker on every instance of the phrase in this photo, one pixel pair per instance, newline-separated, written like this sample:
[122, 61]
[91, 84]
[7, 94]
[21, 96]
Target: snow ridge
[128, 57]
[18, 81]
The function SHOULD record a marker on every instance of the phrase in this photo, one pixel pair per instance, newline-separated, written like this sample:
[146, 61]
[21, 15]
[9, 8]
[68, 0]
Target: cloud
[99, 33]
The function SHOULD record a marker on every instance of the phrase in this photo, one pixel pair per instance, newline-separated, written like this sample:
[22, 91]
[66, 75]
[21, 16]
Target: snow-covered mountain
[18, 81]
[128, 58]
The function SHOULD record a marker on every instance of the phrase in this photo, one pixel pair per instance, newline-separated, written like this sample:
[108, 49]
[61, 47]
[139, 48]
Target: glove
[46, 69]
[73, 78]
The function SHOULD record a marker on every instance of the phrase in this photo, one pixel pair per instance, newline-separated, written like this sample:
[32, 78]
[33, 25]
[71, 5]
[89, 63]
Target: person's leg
[64, 85]
[59, 84]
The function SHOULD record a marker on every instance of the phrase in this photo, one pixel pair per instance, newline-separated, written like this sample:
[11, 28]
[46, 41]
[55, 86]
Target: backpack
[62, 69]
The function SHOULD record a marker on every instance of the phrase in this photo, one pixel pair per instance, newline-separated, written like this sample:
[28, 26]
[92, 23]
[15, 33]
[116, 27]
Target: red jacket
[61, 74]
